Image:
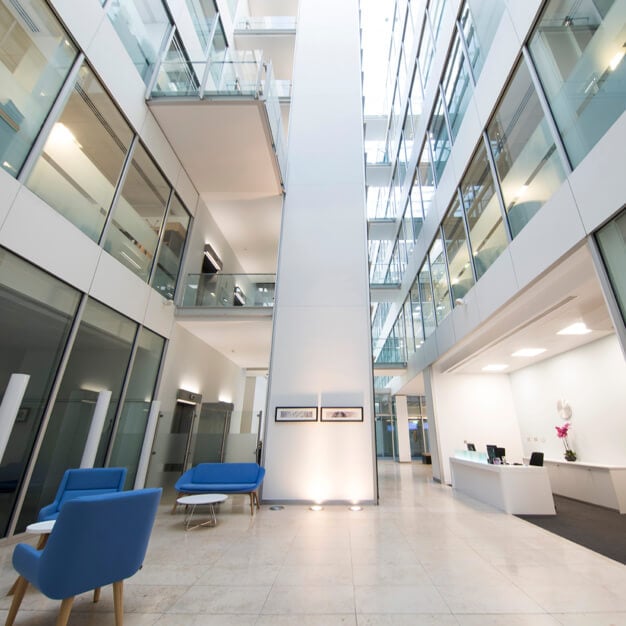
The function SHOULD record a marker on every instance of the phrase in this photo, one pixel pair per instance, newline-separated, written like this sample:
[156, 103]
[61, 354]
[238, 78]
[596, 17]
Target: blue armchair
[96, 541]
[89, 481]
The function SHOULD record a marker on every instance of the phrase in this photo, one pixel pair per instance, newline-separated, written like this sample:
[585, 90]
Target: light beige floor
[425, 556]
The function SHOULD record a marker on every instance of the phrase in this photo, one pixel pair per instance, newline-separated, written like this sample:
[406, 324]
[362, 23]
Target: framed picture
[296, 414]
[342, 414]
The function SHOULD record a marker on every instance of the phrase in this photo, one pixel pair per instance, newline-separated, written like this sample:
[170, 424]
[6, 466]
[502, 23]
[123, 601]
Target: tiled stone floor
[425, 556]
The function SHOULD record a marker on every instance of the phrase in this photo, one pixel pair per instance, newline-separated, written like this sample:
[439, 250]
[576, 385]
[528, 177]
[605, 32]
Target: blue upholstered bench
[223, 478]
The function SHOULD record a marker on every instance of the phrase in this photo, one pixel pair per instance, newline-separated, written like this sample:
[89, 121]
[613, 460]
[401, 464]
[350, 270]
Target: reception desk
[516, 489]
[604, 485]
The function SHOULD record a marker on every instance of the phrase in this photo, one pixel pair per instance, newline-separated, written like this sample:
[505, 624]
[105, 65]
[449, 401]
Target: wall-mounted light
[211, 260]
[183, 396]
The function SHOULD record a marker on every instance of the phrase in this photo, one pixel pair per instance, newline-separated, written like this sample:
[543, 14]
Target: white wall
[472, 408]
[321, 354]
[591, 379]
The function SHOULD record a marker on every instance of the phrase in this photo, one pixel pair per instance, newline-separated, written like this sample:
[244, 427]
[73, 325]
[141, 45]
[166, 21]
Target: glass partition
[228, 290]
[83, 156]
[176, 74]
[425, 179]
[203, 14]
[612, 243]
[441, 288]
[138, 215]
[133, 419]
[142, 25]
[439, 138]
[457, 87]
[578, 50]
[98, 362]
[427, 301]
[457, 251]
[426, 52]
[171, 249]
[482, 208]
[415, 314]
[37, 314]
[34, 62]
[528, 165]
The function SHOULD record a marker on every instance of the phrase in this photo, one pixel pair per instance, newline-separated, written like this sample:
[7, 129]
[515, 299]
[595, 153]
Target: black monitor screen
[491, 453]
[471, 447]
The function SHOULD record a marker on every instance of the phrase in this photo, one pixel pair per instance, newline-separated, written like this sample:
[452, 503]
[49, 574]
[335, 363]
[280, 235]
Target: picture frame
[342, 414]
[295, 414]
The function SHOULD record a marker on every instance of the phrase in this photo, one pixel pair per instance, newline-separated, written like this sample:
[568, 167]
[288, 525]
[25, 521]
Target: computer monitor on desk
[495, 454]
[471, 447]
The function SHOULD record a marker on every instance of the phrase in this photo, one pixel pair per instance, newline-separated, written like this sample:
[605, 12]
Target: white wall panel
[186, 191]
[496, 285]
[38, 233]
[117, 287]
[9, 188]
[154, 139]
[522, 16]
[82, 19]
[159, 315]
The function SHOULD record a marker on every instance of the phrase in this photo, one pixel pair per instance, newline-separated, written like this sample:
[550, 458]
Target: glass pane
[441, 289]
[578, 50]
[408, 330]
[416, 99]
[139, 394]
[202, 13]
[426, 52]
[426, 179]
[142, 25]
[34, 62]
[612, 243]
[37, 312]
[138, 215]
[171, 250]
[439, 139]
[435, 11]
[528, 165]
[416, 314]
[177, 76]
[104, 333]
[457, 251]
[457, 87]
[484, 219]
[479, 20]
[83, 157]
[426, 298]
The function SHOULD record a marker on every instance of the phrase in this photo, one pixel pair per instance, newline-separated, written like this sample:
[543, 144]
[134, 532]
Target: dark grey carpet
[599, 529]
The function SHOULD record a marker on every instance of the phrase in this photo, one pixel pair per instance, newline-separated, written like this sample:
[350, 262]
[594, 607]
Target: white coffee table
[206, 499]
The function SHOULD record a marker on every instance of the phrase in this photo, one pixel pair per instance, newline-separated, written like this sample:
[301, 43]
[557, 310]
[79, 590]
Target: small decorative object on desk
[561, 433]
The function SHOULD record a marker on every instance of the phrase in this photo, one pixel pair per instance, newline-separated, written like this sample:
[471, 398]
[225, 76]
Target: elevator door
[213, 426]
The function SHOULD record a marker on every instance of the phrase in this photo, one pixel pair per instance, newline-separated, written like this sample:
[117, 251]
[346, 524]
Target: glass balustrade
[268, 22]
[228, 290]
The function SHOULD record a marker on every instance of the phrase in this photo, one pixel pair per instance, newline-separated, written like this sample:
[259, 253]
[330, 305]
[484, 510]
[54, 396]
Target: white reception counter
[516, 489]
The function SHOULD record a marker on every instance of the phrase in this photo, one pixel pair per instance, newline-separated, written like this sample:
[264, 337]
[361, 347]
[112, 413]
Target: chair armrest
[26, 561]
[48, 512]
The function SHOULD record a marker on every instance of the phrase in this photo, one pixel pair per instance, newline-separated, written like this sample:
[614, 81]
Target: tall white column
[402, 424]
[95, 430]
[321, 352]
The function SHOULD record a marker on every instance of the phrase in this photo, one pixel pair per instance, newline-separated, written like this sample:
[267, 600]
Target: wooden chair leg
[96, 594]
[251, 494]
[64, 611]
[118, 602]
[256, 498]
[21, 584]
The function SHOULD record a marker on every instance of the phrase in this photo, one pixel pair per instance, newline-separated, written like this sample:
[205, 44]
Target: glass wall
[612, 243]
[528, 165]
[457, 251]
[426, 52]
[37, 314]
[203, 13]
[138, 215]
[34, 62]
[143, 26]
[439, 275]
[82, 159]
[439, 139]
[427, 301]
[457, 87]
[425, 179]
[171, 249]
[578, 50]
[482, 208]
[139, 394]
[98, 362]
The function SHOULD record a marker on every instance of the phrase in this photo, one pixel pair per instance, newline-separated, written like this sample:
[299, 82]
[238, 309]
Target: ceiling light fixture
[529, 352]
[495, 367]
[316, 507]
[579, 328]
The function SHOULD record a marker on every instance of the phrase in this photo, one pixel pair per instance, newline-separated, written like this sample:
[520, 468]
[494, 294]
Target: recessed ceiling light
[529, 352]
[579, 328]
[316, 507]
[495, 367]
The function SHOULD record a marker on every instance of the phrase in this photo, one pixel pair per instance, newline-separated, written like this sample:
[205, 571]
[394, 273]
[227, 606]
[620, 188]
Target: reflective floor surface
[425, 556]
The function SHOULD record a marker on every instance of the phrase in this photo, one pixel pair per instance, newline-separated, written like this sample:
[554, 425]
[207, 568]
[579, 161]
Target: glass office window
[457, 251]
[415, 314]
[402, 160]
[439, 139]
[37, 313]
[35, 58]
[425, 179]
[171, 249]
[203, 13]
[82, 159]
[528, 165]
[435, 12]
[138, 215]
[408, 327]
[416, 99]
[427, 301]
[612, 243]
[578, 50]
[441, 288]
[139, 395]
[142, 25]
[482, 207]
[479, 21]
[98, 362]
[426, 52]
[457, 87]
[411, 224]
[408, 134]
